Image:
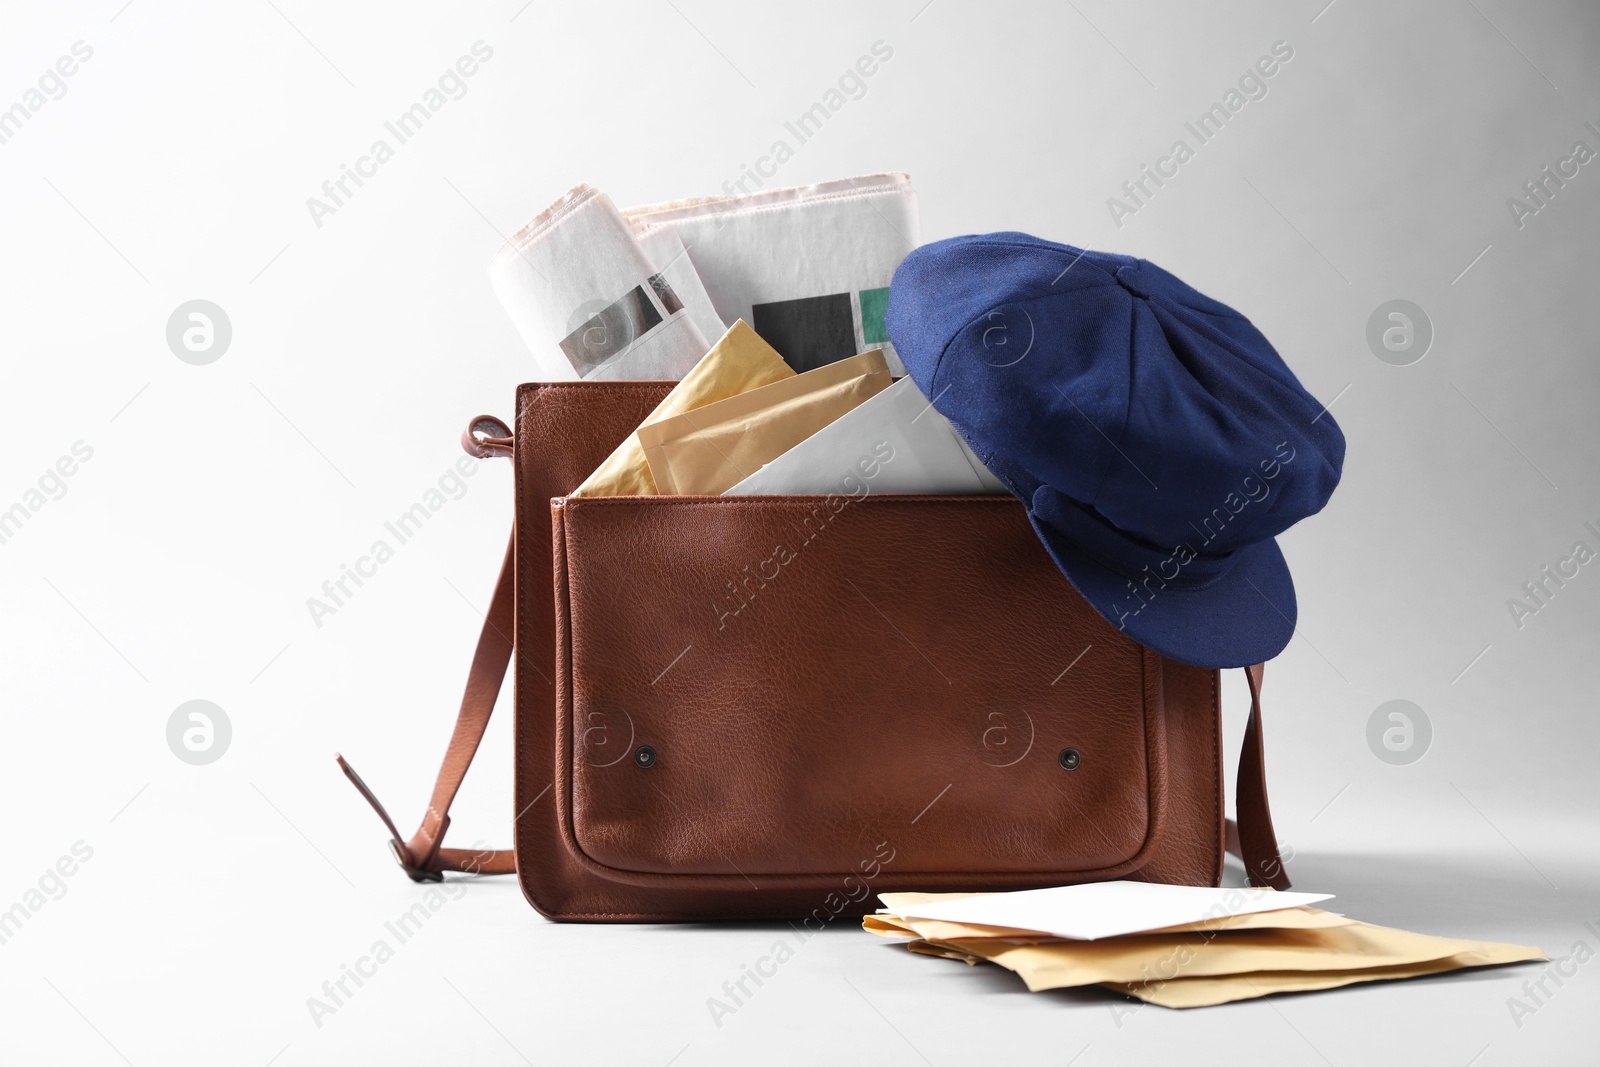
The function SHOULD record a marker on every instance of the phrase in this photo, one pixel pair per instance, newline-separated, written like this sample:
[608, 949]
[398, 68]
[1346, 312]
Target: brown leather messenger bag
[776, 707]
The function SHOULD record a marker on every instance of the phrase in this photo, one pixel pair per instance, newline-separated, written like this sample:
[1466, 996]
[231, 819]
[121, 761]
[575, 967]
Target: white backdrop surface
[206, 904]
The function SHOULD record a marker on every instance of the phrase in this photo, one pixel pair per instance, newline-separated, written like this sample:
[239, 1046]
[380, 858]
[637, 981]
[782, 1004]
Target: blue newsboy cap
[1158, 440]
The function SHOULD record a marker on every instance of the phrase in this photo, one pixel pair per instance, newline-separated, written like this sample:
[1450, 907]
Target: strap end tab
[397, 847]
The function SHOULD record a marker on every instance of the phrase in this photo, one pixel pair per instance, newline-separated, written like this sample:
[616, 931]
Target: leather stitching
[566, 624]
[1219, 813]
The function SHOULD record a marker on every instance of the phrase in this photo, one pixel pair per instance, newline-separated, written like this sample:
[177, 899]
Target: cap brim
[1246, 616]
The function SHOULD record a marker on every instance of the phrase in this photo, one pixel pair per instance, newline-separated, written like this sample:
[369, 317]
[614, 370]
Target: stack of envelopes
[1175, 946]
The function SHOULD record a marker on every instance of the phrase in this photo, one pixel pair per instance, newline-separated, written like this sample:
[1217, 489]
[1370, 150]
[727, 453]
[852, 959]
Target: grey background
[218, 498]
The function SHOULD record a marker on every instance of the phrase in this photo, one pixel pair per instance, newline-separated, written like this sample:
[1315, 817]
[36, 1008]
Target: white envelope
[1107, 909]
[893, 443]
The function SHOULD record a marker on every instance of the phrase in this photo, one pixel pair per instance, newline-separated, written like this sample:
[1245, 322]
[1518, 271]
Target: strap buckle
[416, 874]
[402, 855]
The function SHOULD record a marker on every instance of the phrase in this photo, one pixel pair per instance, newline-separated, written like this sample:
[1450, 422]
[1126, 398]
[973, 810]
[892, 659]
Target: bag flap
[783, 690]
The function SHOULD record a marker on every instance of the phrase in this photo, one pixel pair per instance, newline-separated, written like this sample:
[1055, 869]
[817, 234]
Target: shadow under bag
[778, 707]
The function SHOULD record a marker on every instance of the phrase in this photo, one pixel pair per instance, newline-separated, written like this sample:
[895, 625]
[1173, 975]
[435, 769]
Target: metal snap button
[644, 756]
[1069, 759]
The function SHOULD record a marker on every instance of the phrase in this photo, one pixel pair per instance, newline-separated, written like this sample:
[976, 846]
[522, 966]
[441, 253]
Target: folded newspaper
[590, 302]
[808, 267]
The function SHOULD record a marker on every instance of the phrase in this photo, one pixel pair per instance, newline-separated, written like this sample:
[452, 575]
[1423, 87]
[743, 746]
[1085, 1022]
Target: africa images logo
[1252, 85]
[1252, 490]
[450, 85]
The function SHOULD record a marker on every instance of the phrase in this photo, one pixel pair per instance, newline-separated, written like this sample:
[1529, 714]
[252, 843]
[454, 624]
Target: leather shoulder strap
[421, 857]
[1252, 838]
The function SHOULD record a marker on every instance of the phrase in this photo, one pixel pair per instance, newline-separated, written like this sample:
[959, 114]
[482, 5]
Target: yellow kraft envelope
[712, 448]
[1163, 958]
[1207, 991]
[740, 361]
